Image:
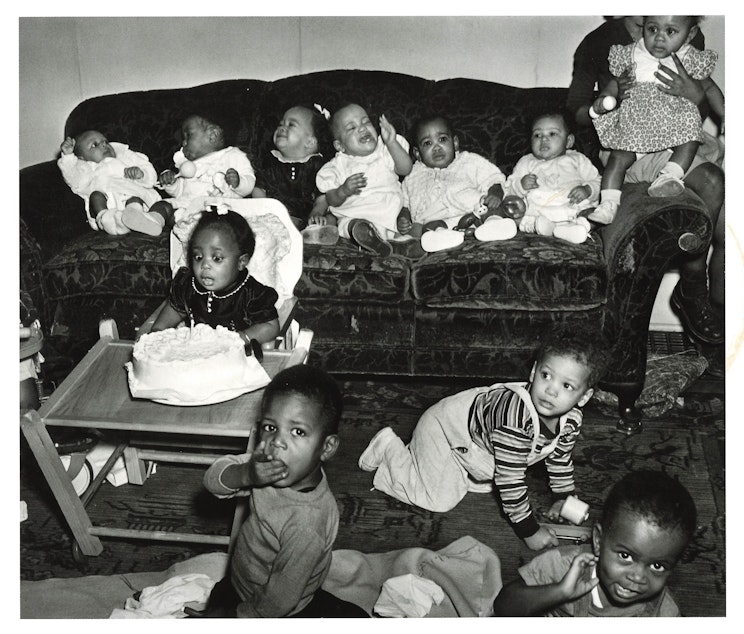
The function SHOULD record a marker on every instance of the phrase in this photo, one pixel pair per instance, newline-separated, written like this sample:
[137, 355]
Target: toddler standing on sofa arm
[361, 182]
[486, 437]
[116, 183]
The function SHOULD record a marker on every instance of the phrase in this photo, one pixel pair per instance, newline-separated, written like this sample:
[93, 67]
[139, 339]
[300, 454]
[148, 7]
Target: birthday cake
[193, 365]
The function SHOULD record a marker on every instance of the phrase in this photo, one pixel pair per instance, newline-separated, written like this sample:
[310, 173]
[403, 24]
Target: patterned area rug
[687, 442]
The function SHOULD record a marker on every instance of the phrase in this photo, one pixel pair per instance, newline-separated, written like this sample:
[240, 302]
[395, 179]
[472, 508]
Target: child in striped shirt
[488, 436]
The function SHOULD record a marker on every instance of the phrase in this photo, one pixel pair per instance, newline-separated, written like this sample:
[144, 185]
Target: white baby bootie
[136, 218]
[441, 239]
[665, 186]
[496, 228]
[576, 231]
[605, 212]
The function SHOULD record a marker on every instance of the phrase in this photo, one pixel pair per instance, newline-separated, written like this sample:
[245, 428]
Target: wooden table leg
[135, 466]
[46, 455]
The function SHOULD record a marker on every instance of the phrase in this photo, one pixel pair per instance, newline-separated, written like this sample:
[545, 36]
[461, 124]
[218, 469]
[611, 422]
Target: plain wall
[64, 60]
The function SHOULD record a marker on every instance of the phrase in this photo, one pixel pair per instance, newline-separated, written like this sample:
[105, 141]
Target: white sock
[673, 169]
[610, 195]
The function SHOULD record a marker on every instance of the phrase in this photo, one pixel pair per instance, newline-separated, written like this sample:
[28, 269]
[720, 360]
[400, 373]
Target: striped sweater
[500, 422]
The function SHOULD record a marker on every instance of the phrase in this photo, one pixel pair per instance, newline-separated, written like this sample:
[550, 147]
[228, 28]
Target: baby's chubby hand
[354, 184]
[579, 193]
[167, 177]
[133, 173]
[404, 223]
[387, 131]
[264, 469]
[232, 177]
[529, 181]
[68, 145]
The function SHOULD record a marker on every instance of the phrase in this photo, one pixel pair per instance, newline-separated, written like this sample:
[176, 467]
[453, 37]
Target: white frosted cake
[190, 364]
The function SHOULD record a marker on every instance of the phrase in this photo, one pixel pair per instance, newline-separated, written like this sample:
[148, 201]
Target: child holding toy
[648, 119]
[556, 182]
[116, 183]
[648, 520]
[361, 182]
[446, 188]
[283, 550]
[217, 289]
[489, 436]
[288, 174]
[208, 165]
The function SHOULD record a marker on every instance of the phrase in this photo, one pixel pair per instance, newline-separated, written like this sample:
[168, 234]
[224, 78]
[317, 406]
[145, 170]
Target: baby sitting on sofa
[361, 182]
[447, 188]
[556, 182]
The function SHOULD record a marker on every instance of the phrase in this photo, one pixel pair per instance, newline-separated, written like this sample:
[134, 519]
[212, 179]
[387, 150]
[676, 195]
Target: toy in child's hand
[609, 103]
[188, 169]
[514, 207]
[574, 510]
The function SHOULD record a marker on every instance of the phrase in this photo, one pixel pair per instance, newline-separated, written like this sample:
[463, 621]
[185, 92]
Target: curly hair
[315, 385]
[654, 496]
[230, 223]
[585, 346]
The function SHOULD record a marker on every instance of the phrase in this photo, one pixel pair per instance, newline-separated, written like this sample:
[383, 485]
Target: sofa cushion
[132, 265]
[528, 272]
[345, 271]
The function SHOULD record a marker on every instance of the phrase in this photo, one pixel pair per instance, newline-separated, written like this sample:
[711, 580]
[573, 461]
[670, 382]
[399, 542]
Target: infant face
[93, 146]
[666, 34]
[353, 131]
[550, 138]
[197, 140]
[294, 136]
[435, 144]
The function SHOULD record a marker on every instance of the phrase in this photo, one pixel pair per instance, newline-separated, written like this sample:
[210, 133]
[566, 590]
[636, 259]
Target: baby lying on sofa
[116, 183]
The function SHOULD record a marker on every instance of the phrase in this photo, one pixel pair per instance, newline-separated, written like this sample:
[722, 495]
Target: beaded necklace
[212, 295]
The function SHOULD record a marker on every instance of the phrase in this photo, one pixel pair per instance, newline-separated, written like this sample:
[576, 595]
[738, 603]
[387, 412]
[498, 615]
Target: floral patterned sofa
[474, 311]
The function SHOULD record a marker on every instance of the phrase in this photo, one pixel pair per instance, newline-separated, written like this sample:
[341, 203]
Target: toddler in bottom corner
[647, 522]
[282, 552]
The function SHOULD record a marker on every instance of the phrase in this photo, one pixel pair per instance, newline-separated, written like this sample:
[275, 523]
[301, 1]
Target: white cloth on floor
[408, 596]
[168, 599]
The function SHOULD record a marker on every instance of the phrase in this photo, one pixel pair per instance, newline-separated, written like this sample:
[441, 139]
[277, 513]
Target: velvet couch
[474, 311]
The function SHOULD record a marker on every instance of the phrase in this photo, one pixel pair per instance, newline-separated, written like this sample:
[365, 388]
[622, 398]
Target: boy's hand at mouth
[264, 468]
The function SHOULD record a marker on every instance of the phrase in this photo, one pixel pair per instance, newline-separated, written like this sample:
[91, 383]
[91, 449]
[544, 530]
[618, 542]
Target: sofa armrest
[52, 213]
[640, 245]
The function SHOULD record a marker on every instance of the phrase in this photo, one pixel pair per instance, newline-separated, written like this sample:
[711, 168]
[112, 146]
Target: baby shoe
[320, 234]
[371, 457]
[496, 228]
[666, 185]
[365, 236]
[441, 239]
[409, 248]
[572, 232]
[605, 212]
[137, 219]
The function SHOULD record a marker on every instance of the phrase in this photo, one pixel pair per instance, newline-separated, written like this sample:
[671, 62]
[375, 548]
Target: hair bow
[220, 210]
[322, 111]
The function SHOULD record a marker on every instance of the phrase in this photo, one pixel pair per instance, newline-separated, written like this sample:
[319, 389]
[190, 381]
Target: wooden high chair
[95, 395]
